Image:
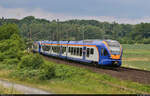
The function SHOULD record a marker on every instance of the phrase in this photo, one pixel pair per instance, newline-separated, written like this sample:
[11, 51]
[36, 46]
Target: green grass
[144, 65]
[70, 79]
[136, 56]
[136, 46]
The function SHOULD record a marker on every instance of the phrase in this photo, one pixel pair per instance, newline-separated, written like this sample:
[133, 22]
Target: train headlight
[116, 62]
[110, 57]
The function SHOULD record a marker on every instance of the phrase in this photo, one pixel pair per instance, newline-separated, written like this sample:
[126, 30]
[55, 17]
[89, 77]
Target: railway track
[123, 73]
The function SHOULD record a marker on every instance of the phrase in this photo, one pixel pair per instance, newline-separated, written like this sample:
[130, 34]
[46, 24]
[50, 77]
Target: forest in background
[42, 29]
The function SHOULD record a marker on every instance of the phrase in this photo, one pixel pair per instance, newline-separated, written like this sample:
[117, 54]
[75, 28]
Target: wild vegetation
[41, 29]
[69, 79]
[14, 56]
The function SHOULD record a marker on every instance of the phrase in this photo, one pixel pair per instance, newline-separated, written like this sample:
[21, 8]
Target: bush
[11, 61]
[44, 73]
[7, 30]
[32, 66]
[146, 41]
[32, 61]
[47, 72]
[2, 57]
[24, 74]
[63, 71]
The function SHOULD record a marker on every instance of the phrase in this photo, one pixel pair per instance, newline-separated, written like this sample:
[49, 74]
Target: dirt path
[22, 88]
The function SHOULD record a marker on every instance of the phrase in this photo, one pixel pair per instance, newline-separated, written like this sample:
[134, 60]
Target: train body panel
[102, 52]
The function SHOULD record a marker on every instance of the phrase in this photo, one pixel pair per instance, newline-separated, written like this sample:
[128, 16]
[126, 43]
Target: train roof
[81, 42]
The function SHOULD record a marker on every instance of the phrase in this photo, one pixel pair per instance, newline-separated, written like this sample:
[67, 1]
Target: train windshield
[114, 47]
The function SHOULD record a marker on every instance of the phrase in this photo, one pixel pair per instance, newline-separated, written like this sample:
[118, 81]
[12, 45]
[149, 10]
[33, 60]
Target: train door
[84, 52]
[104, 55]
[59, 50]
[39, 48]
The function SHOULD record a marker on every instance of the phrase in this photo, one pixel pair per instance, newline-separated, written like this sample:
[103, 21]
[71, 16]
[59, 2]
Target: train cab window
[92, 51]
[105, 52]
[80, 51]
[88, 52]
[102, 51]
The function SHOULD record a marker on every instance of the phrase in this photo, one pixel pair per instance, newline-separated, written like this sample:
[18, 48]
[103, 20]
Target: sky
[120, 11]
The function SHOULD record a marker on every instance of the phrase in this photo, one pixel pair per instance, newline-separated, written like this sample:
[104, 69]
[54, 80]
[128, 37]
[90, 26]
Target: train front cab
[109, 56]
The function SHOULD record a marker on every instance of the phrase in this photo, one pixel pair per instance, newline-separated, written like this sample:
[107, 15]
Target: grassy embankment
[69, 79]
[4, 90]
[136, 56]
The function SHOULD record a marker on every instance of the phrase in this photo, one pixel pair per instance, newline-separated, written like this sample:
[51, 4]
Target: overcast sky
[121, 11]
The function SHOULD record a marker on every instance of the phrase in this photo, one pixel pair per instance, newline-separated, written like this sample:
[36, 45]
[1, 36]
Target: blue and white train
[100, 52]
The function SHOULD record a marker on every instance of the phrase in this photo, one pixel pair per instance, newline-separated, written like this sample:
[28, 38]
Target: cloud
[20, 13]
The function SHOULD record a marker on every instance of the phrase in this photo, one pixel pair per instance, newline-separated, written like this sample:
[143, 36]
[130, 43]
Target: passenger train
[99, 52]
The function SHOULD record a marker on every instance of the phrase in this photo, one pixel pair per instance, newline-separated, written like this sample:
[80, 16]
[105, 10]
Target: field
[70, 79]
[136, 56]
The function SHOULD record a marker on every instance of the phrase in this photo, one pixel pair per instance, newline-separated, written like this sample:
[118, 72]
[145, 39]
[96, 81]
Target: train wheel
[96, 64]
[115, 64]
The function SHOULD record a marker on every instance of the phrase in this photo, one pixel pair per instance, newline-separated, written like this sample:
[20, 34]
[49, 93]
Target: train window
[49, 48]
[80, 51]
[92, 51]
[46, 48]
[63, 49]
[105, 52]
[35, 46]
[75, 50]
[53, 48]
[102, 51]
[71, 50]
[56, 49]
[88, 52]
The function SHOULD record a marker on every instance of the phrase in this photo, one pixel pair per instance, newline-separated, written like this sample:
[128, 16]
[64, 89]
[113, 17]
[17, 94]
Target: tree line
[42, 29]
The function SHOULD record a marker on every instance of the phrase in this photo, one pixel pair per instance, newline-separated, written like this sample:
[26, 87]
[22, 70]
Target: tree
[11, 44]
[7, 30]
